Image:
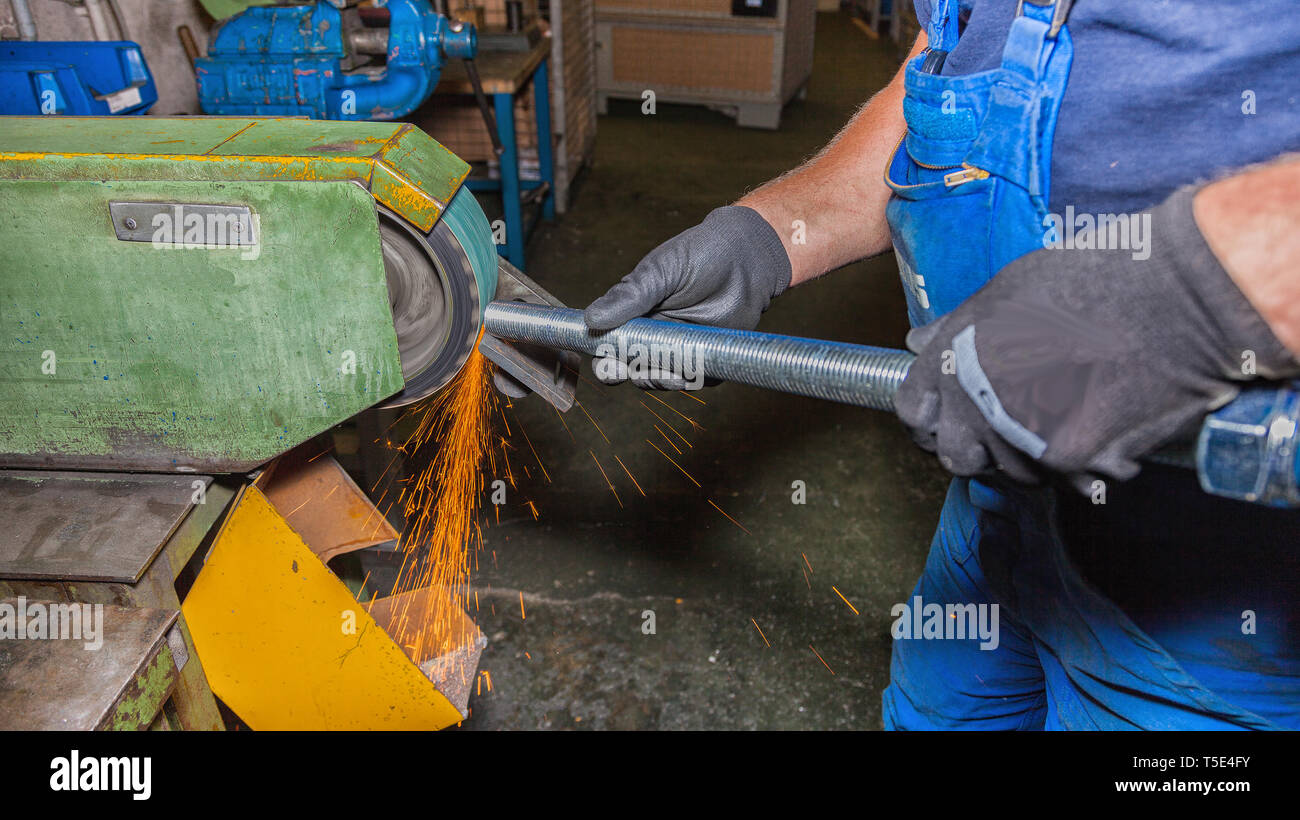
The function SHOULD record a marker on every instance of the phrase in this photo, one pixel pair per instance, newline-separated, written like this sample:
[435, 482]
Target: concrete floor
[589, 569]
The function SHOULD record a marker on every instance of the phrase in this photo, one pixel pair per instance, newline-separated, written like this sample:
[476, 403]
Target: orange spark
[820, 658]
[560, 416]
[629, 475]
[846, 600]
[441, 505]
[666, 424]
[677, 449]
[760, 632]
[391, 462]
[694, 424]
[729, 518]
[534, 449]
[603, 474]
[674, 463]
[593, 422]
[299, 507]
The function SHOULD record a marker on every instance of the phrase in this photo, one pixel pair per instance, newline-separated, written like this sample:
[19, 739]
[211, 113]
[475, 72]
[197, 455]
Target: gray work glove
[723, 272]
[1080, 362]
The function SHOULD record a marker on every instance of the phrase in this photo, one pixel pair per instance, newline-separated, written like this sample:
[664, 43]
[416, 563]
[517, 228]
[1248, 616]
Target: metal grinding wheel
[434, 295]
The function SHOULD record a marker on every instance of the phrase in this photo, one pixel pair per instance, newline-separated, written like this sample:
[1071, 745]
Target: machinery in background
[195, 300]
[106, 75]
[79, 78]
[306, 60]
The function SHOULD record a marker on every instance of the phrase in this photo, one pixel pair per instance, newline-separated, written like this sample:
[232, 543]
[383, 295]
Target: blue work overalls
[970, 184]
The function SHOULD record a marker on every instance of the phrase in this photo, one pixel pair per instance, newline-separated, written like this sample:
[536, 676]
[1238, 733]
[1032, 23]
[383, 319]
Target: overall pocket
[940, 220]
[953, 224]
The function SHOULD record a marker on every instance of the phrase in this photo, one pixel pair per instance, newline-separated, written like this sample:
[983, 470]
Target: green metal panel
[221, 9]
[407, 170]
[200, 359]
[411, 170]
[186, 358]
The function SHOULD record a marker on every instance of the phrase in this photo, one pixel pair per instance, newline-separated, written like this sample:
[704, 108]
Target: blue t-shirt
[1158, 92]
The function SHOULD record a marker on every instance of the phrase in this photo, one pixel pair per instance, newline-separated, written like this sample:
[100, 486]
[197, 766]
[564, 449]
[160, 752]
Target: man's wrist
[1241, 331]
[759, 244]
[1251, 223]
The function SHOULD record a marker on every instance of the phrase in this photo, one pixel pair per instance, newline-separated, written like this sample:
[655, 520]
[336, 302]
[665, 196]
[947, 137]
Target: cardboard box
[700, 51]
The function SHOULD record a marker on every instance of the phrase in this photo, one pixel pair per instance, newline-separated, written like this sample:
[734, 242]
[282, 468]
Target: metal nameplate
[181, 224]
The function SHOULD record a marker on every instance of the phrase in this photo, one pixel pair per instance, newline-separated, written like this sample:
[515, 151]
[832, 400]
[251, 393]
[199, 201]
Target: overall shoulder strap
[1015, 137]
[1052, 13]
[1033, 36]
[941, 29]
[942, 26]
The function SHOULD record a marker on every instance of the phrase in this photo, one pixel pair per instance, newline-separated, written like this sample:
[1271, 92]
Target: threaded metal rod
[850, 374]
[846, 373]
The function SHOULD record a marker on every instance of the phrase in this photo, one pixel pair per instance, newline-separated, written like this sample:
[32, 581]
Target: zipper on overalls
[966, 174]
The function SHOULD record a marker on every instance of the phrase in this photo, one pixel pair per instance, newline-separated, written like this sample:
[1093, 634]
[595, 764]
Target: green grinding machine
[203, 294]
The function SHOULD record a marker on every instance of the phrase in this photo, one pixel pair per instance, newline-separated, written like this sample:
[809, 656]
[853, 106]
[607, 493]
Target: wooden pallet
[697, 51]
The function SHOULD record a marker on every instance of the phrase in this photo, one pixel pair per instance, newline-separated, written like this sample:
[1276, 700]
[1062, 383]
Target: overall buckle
[1059, 13]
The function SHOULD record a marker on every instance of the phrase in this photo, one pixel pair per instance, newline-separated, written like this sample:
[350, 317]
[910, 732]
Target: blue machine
[82, 78]
[289, 60]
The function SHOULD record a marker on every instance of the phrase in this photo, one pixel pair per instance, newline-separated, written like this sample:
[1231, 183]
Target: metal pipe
[847, 373]
[371, 41]
[98, 20]
[190, 47]
[23, 16]
[119, 19]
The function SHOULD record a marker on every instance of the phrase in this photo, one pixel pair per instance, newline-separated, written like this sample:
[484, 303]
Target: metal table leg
[545, 150]
[505, 111]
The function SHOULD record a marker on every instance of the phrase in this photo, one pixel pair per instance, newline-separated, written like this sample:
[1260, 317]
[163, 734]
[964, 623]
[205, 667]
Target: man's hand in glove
[1080, 362]
[724, 272]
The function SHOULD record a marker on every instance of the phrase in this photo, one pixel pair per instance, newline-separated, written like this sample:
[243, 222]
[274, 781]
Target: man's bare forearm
[830, 211]
[1252, 223]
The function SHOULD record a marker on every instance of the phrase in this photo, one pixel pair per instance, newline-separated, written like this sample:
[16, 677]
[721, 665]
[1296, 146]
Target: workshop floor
[590, 569]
